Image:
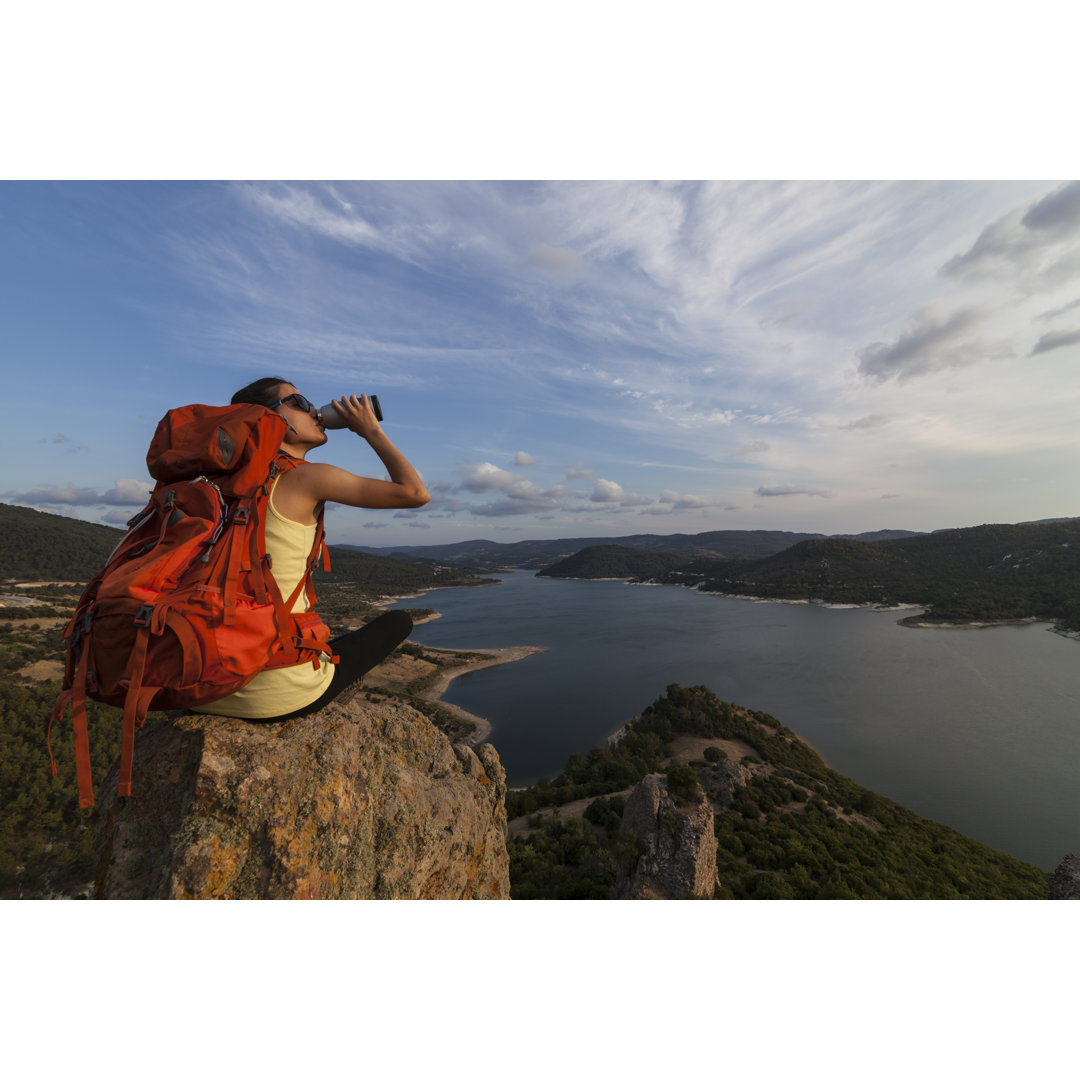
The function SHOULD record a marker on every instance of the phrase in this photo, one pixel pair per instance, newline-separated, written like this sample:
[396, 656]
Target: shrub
[683, 782]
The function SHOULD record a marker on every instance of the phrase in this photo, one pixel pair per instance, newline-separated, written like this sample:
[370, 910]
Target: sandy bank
[491, 658]
[917, 624]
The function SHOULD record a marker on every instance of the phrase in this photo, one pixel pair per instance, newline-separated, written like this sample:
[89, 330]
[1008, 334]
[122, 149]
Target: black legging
[360, 650]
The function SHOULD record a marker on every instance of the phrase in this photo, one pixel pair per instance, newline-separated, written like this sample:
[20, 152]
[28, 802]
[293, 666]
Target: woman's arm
[299, 491]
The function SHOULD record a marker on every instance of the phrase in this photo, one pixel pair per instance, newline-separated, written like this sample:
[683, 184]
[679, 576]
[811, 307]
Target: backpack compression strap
[76, 696]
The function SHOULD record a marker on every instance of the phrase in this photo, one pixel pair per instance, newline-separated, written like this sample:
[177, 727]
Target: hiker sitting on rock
[296, 502]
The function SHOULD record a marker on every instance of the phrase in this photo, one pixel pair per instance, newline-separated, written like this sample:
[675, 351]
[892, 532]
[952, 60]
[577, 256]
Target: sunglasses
[300, 402]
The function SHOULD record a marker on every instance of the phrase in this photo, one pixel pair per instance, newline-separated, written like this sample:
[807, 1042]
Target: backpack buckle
[144, 615]
[241, 515]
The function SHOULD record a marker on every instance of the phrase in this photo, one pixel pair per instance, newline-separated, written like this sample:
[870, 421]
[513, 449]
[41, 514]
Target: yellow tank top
[280, 690]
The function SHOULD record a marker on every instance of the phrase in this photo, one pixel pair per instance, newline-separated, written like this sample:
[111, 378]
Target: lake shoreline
[491, 658]
[912, 622]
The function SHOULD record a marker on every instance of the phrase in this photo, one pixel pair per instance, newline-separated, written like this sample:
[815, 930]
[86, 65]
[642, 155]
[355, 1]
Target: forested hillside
[795, 830]
[38, 546]
[986, 573]
[376, 575]
[615, 561]
[46, 841]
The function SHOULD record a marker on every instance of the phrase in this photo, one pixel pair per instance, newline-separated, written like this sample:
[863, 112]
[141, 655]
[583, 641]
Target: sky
[564, 358]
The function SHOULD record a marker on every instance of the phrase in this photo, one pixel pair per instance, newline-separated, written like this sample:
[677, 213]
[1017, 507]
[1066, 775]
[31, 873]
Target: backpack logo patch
[226, 447]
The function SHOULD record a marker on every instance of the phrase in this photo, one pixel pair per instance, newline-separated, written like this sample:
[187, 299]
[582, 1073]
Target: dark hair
[260, 392]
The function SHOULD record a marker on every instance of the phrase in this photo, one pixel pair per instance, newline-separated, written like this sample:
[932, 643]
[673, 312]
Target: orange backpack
[185, 610]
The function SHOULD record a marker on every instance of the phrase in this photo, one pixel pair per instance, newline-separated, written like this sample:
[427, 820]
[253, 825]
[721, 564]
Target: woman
[296, 499]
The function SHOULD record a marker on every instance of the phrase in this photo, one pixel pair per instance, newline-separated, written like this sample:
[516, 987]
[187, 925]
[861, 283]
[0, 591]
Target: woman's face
[306, 431]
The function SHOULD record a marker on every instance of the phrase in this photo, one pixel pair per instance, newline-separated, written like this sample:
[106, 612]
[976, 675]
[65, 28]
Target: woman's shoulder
[294, 494]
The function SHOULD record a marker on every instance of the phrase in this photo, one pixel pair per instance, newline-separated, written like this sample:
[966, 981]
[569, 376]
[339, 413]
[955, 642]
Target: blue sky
[566, 358]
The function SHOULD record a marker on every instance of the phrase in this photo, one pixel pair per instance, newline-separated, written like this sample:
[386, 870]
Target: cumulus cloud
[776, 490]
[930, 343]
[683, 502]
[520, 496]
[483, 477]
[523, 458]
[122, 493]
[606, 491]
[577, 471]
[867, 423]
[127, 493]
[1057, 339]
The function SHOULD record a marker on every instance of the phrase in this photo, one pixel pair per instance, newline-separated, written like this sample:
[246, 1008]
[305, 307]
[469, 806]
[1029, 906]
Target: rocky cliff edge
[362, 800]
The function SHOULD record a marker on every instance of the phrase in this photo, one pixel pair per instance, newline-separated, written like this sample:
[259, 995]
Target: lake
[975, 728]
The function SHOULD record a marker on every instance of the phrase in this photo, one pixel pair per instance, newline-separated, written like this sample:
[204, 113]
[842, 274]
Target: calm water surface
[979, 729]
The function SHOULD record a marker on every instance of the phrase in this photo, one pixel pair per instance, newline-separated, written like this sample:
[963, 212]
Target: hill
[984, 573]
[35, 545]
[787, 827]
[536, 554]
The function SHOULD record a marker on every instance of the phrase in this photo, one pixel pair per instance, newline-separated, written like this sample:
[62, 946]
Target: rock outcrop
[361, 800]
[725, 778]
[678, 846]
[1065, 880]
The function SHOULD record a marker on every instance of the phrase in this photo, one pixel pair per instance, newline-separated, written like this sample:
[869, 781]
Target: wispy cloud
[1058, 339]
[780, 490]
[755, 446]
[867, 423]
[1033, 248]
[60, 439]
[929, 343]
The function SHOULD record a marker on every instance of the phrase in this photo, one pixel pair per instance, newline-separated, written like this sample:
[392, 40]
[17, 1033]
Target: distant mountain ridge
[985, 573]
[536, 554]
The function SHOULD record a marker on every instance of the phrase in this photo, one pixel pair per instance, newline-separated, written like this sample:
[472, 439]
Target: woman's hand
[358, 415]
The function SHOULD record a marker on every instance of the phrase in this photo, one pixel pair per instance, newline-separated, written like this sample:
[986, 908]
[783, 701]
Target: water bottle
[331, 418]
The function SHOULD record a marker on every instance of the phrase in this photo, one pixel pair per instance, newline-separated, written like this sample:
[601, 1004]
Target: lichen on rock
[361, 800]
